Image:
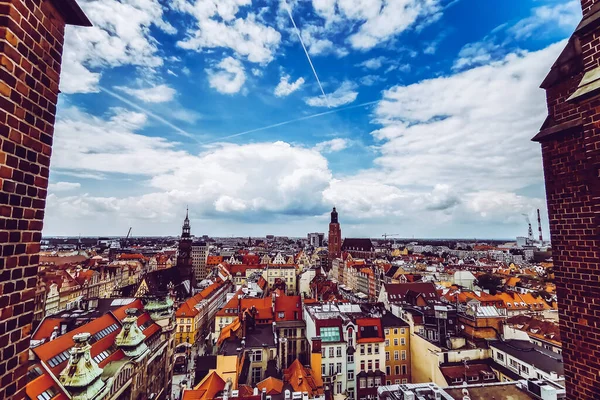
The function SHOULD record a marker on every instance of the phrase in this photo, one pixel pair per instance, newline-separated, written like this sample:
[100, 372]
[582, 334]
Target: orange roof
[512, 281]
[302, 379]
[229, 330]
[264, 307]
[214, 260]
[271, 385]
[232, 303]
[40, 384]
[291, 306]
[369, 322]
[134, 256]
[207, 389]
[45, 329]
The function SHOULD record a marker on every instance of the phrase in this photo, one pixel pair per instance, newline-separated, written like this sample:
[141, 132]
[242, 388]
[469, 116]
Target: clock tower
[184, 254]
[335, 237]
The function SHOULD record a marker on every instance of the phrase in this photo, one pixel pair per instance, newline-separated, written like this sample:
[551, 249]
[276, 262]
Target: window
[370, 382]
[513, 363]
[256, 375]
[331, 369]
[323, 369]
[388, 370]
[330, 334]
[403, 355]
[524, 369]
[257, 356]
[350, 358]
[369, 349]
[362, 365]
[395, 331]
[187, 328]
[350, 374]
[473, 378]
[404, 369]
[377, 381]
[370, 365]
[323, 352]
[331, 352]
[395, 341]
[402, 331]
[387, 332]
[396, 355]
[281, 315]
[387, 356]
[339, 387]
[377, 349]
[397, 381]
[338, 368]
[387, 342]
[362, 383]
[362, 349]
[377, 365]
[396, 370]
[403, 341]
[500, 356]
[404, 381]
[388, 382]
[338, 351]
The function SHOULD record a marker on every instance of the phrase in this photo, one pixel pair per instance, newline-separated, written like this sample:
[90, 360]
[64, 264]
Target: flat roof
[500, 391]
[546, 360]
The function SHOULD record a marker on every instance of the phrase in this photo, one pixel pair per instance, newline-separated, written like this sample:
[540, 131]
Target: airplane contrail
[293, 120]
[148, 113]
[287, 7]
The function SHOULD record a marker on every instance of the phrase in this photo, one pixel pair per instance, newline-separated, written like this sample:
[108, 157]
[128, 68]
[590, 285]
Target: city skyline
[156, 113]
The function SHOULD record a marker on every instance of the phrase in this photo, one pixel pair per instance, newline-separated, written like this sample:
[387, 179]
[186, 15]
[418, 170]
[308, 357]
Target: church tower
[184, 256]
[335, 237]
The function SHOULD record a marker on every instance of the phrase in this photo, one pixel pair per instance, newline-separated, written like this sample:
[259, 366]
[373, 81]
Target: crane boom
[385, 235]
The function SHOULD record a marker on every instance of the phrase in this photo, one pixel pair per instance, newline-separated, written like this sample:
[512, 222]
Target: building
[290, 329]
[124, 354]
[570, 143]
[397, 349]
[199, 260]
[334, 240]
[528, 360]
[359, 247]
[315, 239]
[184, 255]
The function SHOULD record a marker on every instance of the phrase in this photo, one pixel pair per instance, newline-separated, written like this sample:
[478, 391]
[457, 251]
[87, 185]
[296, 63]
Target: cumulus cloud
[373, 63]
[344, 94]
[154, 94]
[333, 145]
[63, 186]
[228, 77]
[120, 36]
[562, 16]
[218, 25]
[377, 21]
[285, 87]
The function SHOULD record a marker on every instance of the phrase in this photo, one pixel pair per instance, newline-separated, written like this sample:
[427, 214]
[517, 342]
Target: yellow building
[398, 252]
[397, 350]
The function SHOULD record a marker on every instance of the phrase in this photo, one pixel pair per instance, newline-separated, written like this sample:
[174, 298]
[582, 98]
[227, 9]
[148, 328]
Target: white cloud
[478, 53]
[120, 36]
[373, 63]
[154, 94]
[370, 80]
[186, 71]
[228, 77]
[185, 115]
[219, 26]
[344, 94]
[333, 145]
[377, 21]
[170, 72]
[562, 16]
[256, 72]
[285, 87]
[63, 186]
[315, 39]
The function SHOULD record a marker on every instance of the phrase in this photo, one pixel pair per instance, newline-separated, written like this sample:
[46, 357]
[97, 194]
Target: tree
[489, 282]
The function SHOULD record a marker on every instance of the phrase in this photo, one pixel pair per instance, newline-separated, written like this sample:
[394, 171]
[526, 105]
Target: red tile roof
[291, 306]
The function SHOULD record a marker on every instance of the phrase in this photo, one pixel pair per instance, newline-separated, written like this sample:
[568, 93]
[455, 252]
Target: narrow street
[187, 378]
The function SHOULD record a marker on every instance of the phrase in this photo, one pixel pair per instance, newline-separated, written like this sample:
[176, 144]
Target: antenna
[540, 226]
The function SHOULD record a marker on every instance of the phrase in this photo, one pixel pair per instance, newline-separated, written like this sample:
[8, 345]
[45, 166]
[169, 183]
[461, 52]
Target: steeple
[186, 229]
[334, 216]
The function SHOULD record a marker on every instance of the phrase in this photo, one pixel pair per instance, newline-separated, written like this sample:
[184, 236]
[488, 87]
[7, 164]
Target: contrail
[293, 120]
[287, 7]
[148, 113]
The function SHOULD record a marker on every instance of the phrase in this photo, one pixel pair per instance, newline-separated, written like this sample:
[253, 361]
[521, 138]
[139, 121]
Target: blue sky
[423, 130]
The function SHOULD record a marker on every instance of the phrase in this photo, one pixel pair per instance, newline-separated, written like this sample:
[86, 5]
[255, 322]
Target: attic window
[48, 394]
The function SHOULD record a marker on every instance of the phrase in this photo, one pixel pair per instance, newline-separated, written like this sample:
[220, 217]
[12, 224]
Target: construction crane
[540, 226]
[530, 231]
[126, 238]
[385, 235]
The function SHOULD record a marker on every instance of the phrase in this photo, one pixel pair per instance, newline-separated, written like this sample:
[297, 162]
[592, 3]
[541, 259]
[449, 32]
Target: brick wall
[571, 159]
[31, 40]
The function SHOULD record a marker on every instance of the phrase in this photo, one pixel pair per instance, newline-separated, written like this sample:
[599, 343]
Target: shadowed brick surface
[31, 40]
[571, 160]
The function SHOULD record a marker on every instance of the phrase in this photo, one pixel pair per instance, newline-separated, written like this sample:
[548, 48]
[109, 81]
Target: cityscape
[299, 200]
